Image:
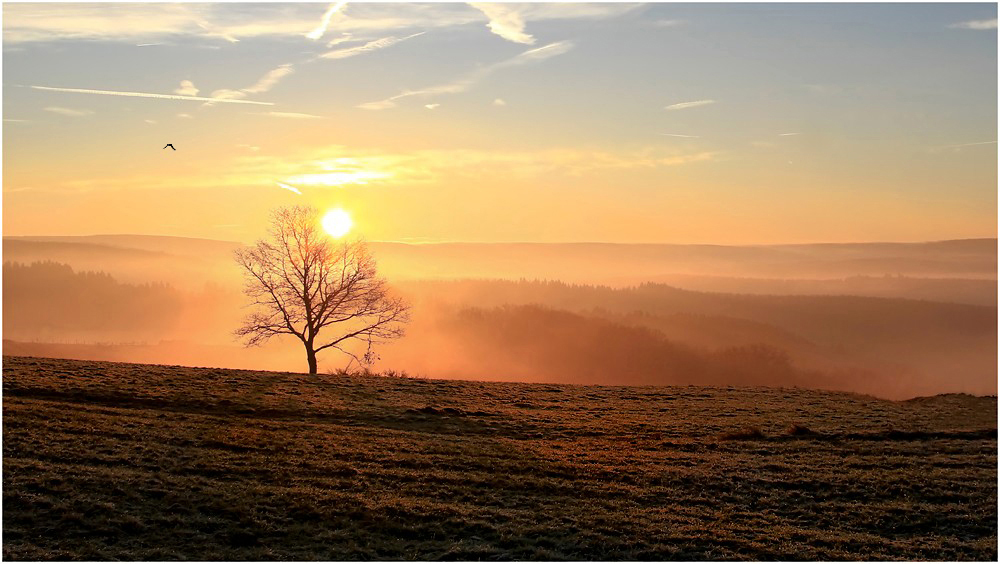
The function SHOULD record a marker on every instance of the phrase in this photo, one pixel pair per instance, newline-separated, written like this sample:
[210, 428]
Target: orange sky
[624, 123]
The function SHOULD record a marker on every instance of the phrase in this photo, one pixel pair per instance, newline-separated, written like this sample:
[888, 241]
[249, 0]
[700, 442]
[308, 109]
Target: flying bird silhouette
[171, 145]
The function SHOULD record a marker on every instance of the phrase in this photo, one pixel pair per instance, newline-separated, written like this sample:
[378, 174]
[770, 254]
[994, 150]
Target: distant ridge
[125, 238]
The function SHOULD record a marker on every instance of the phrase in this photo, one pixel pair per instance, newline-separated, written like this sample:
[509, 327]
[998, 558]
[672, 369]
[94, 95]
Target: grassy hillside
[142, 462]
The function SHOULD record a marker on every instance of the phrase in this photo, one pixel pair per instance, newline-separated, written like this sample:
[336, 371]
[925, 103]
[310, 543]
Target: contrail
[149, 95]
[679, 135]
[319, 31]
[971, 144]
[287, 187]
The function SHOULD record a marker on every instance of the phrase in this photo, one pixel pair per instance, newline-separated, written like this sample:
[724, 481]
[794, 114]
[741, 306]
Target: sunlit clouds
[71, 112]
[960, 146]
[519, 111]
[291, 115]
[467, 81]
[289, 188]
[325, 22]
[148, 95]
[505, 21]
[147, 23]
[265, 83]
[367, 47]
[270, 79]
[688, 105]
[976, 24]
[186, 88]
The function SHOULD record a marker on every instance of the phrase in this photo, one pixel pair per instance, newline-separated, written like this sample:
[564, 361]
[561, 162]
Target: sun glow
[337, 222]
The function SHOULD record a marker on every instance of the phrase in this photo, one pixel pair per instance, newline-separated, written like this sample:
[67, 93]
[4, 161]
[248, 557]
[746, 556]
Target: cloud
[380, 105]
[499, 102]
[505, 21]
[227, 94]
[321, 28]
[187, 88]
[959, 147]
[288, 187]
[291, 115]
[265, 83]
[180, 22]
[150, 121]
[667, 23]
[367, 47]
[147, 95]
[10, 120]
[212, 31]
[270, 79]
[339, 166]
[686, 105]
[431, 106]
[680, 135]
[788, 134]
[185, 116]
[976, 24]
[345, 38]
[469, 80]
[68, 111]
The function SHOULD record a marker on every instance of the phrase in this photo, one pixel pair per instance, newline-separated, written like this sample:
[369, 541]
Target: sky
[632, 123]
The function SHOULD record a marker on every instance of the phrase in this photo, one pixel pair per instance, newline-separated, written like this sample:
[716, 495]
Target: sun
[337, 222]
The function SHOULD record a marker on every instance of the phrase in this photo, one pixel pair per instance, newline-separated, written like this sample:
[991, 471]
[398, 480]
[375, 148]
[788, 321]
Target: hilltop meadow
[107, 461]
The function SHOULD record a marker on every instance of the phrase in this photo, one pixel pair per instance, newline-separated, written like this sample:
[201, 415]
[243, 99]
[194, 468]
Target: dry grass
[117, 461]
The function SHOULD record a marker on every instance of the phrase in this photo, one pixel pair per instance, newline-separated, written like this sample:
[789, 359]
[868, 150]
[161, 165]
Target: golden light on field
[337, 222]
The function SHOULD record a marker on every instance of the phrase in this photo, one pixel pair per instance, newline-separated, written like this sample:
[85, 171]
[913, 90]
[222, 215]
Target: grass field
[143, 462]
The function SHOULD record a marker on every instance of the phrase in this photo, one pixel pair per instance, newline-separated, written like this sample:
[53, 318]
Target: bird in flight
[171, 145]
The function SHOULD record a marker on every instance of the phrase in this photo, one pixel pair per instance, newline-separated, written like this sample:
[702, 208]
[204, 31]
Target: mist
[892, 320]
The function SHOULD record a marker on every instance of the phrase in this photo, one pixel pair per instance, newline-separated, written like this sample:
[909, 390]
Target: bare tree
[303, 283]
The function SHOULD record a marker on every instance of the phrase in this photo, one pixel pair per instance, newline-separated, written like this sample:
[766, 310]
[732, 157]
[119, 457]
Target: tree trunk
[311, 356]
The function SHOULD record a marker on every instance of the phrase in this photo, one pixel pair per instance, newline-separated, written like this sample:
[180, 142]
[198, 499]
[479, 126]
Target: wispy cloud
[345, 38]
[380, 105]
[469, 80]
[431, 106]
[265, 83]
[68, 111]
[289, 187]
[686, 105]
[788, 134]
[291, 115]
[185, 116]
[321, 28]
[212, 31]
[156, 21]
[269, 80]
[680, 135]
[147, 95]
[339, 166]
[505, 21]
[499, 102]
[367, 47]
[10, 120]
[666, 23]
[976, 24]
[186, 88]
[148, 44]
[960, 146]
